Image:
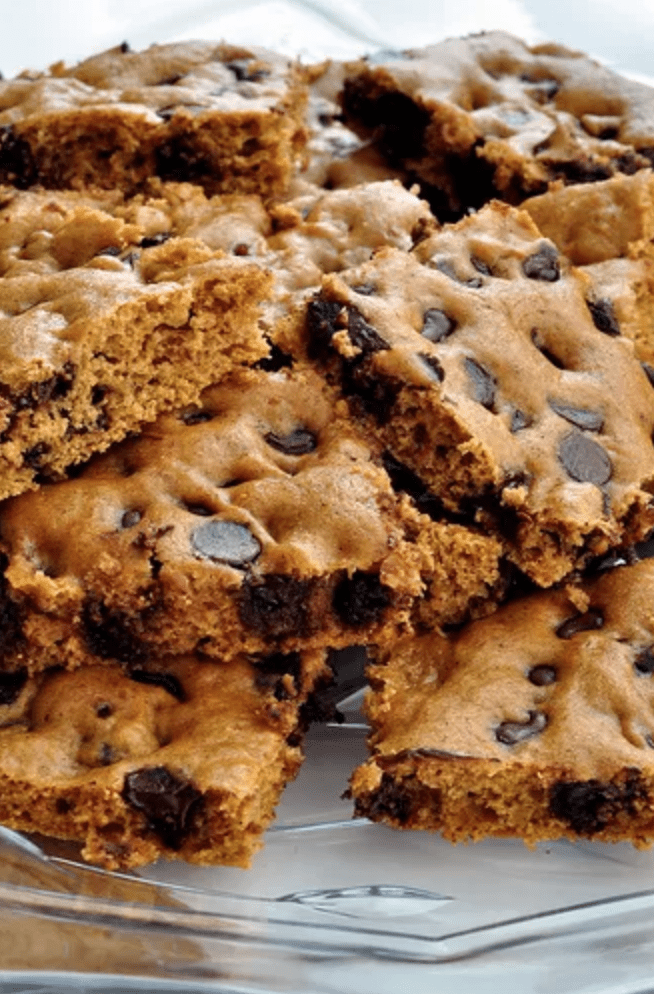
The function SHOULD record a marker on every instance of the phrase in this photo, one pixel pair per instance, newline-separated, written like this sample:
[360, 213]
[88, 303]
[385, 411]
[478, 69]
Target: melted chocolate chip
[513, 732]
[360, 599]
[590, 621]
[196, 417]
[104, 710]
[404, 480]
[34, 457]
[388, 801]
[436, 325]
[110, 634]
[243, 72]
[322, 316]
[151, 240]
[276, 360]
[375, 394]
[644, 662]
[542, 676]
[434, 367]
[584, 460]
[296, 443]
[17, 164]
[276, 606]
[130, 518]
[603, 316]
[226, 542]
[579, 416]
[166, 681]
[271, 670]
[519, 420]
[363, 335]
[589, 805]
[543, 265]
[178, 160]
[168, 802]
[483, 383]
[11, 685]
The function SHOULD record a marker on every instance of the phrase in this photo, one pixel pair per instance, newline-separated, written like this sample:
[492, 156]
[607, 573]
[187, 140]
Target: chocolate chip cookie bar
[487, 115]
[257, 520]
[227, 118]
[536, 722]
[185, 761]
[484, 365]
[102, 327]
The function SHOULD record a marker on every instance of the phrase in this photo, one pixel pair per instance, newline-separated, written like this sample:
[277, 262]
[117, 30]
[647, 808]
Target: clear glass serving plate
[331, 905]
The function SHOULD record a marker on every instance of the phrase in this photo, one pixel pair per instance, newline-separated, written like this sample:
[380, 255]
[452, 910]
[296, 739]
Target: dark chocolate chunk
[512, 732]
[388, 801]
[110, 634]
[603, 316]
[11, 685]
[271, 670]
[519, 420]
[399, 124]
[151, 240]
[584, 460]
[644, 662]
[483, 383]
[17, 164]
[434, 367]
[168, 802]
[226, 542]
[130, 518]
[543, 265]
[376, 394]
[542, 676]
[296, 443]
[360, 599]
[363, 335]
[436, 325]
[322, 316]
[589, 805]
[167, 681]
[579, 416]
[590, 621]
[276, 605]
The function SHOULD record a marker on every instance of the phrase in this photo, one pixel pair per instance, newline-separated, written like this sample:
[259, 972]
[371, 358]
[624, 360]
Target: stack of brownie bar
[299, 357]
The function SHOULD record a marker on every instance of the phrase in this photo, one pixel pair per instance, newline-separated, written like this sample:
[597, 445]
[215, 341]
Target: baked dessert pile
[300, 357]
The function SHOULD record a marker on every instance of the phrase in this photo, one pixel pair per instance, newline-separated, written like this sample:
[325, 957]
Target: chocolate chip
[584, 460]
[322, 316]
[296, 443]
[483, 383]
[130, 518]
[277, 605]
[542, 676]
[226, 542]
[603, 316]
[151, 240]
[649, 372]
[179, 160]
[166, 681]
[363, 335]
[34, 457]
[196, 417]
[276, 360]
[644, 662]
[543, 265]
[589, 805]
[389, 801]
[434, 367]
[17, 164]
[168, 802]
[110, 634]
[513, 732]
[480, 266]
[365, 289]
[11, 685]
[579, 416]
[360, 599]
[590, 621]
[195, 507]
[519, 420]
[104, 710]
[106, 754]
[243, 72]
[271, 670]
[436, 325]
[404, 480]
[445, 266]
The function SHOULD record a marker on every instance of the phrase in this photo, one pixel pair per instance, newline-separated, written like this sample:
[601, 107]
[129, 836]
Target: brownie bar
[537, 722]
[183, 761]
[258, 520]
[487, 115]
[103, 327]
[227, 118]
[482, 365]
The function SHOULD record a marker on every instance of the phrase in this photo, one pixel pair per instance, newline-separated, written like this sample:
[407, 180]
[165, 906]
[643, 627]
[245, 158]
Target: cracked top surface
[551, 679]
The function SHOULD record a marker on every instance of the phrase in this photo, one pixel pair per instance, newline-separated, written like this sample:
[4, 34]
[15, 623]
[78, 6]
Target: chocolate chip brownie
[487, 115]
[537, 722]
[225, 117]
[257, 520]
[185, 761]
[484, 366]
[103, 327]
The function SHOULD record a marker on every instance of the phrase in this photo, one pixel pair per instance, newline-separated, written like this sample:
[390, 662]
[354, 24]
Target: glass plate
[332, 905]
